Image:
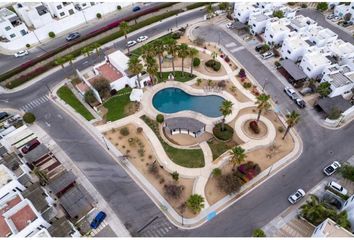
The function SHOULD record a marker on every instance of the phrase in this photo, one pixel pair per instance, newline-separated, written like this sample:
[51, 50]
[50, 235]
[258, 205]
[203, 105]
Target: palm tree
[171, 47]
[96, 46]
[148, 51]
[135, 67]
[209, 9]
[124, 27]
[87, 51]
[159, 50]
[151, 68]
[192, 54]
[225, 109]
[238, 156]
[291, 119]
[262, 104]
[60, 61]
[183, 52]
[70, 58]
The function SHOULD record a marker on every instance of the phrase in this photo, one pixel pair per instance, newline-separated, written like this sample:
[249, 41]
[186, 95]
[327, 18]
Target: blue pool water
[172, 100]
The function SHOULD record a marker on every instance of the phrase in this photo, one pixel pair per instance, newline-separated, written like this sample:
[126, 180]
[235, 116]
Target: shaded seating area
[184, 125]
[327, 105]
[291, 72]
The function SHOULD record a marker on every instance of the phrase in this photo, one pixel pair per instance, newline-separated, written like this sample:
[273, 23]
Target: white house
[342, 9]
[295, 46]
[321, 36]
[257, 23]
[276, 30]
[34, 14]
[301, 24]
[60, 9]
[349, 207]
[11, 27]
[314, 62]
[329, 228]
[342, 51]
[341, 79]
[268, 5]
[242, 11]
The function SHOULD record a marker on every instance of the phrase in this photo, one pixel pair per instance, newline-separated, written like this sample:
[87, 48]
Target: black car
[72, 36]
[258, 48]
[3, 115]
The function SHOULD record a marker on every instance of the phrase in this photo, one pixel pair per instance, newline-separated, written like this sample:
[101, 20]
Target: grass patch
[178, 76]
[117, 105]
[191, 158]
[347, 172]
[223, 135]
[197, 5]
[219, 147]
[137, 52]
[68, 96]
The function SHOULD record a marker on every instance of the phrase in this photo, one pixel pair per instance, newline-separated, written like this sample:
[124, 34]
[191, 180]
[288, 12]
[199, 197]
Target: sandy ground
[264, 157]
[130, 145]
[187, 140]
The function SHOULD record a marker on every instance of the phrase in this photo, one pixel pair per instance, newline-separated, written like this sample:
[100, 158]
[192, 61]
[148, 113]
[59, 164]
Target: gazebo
[184, 125]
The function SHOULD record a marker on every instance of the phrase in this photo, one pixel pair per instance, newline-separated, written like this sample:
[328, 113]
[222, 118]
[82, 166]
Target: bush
[102, 86]
[176, 35]
[334, 113]
[258, 233]
[242, 73]
[291, 3]
[216, 172]
[51, 34]
[277, 64]
[153, 169]
[222, 84]
[119, 7]
[196, 62]
[175, 175]
[99, 15]
[304, 5]
[199, 81]
[195, 203]
[249, 169]
[139, 130]
[247, 85]
[160, 118]
[281, 129]
[223, 135]
[227, 59]
[29, 117]
[229, 183]
[173, 190]
[90, 96]
[348, 172]
[215, 65]
[113, 92]
[254, 127]
[28, 45]
[124, 131]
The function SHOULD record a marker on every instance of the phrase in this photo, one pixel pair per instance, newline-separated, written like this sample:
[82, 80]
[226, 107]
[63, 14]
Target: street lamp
[270, 169]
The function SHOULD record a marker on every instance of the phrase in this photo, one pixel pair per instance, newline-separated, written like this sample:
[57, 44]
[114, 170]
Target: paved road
[8, 62]
[321, 20]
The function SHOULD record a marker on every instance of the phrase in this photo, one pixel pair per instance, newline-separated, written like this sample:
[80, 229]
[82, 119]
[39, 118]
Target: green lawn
[178, 76]
[138, 51]
[219, 147]
[68, 96]
[191, 158]
[116, 105]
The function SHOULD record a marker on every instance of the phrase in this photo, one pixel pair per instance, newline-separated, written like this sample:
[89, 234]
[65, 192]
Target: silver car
[296, 196]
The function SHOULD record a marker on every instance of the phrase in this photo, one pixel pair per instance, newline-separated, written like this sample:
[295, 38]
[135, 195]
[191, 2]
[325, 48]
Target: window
[254, 25]
[239, 14]
[59, 7]
[7, 28]
[12, 35]
[23, 32]
[271, 35]
[71, 11]
[308, 69]
[62, 14]
[289, 52]
[84, 4]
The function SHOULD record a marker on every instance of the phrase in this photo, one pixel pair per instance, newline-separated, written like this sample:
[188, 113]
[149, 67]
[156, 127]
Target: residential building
[83, 5]
[349, 207]
[11, 27]
[276, 30]
[257, 23]
[314, 63]
[321, 36]
[342, 9]
[295, 46]
[329, 228]
[60, 9]
[34, 14]
[342, 51]
[268, 5]
[341, 79]
[242, 11]
[301, 24]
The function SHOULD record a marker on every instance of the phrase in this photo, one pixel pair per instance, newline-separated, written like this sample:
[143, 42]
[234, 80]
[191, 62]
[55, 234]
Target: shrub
[175, 175]
[98, 15]
[227, 59]
[119, 7]
[223, 135]
[199, 81]
[258, 233]
[90, 96]
[176, 35]
[139, 130]
[322, 6]
[196, 62]
[215, 65]
[278, 14]
[334, 113]
[51, 34]
[29, 117]
[254, 127]
[249, 169]
[113, 92]
[348, 172]
[195, 203]
[153, 169]
[124, 131]
[216, 172]
[160, 118]
[291, 3]
[277, 64]
[222, 84]
[229, 183]
[304, 5]
[281, 129]
[28, 45]
[242, 73]
[173, 190]
[247, 85]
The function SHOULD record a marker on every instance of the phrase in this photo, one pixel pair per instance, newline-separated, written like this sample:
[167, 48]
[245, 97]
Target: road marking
[60, 116]
[237, 49]
[231, 45]
[47, 123]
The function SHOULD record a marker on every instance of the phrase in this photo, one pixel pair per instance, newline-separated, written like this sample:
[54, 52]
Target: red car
[30, 146]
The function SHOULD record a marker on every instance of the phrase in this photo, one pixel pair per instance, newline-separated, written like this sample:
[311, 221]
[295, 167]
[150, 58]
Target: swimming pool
[172, 100]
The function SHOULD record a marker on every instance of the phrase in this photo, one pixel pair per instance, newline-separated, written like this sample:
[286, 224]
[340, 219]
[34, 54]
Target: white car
[142, 38]
[229, 25]
[21, 53]
[335, 186]
[329, 170]
[131, 43]
[290, 92]
[296, 196]
[267, 55]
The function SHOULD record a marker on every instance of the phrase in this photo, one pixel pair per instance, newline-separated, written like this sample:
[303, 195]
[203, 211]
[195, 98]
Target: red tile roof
[4, 228]
[109, 72]
[23, 217]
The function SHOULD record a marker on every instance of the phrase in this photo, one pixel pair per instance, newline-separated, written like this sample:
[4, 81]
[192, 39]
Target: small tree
[334, 113]
[90, 96]
[153, 169]
[225, 109]
[229, 183]
[303, 5]
[324, 89]
[173, 190]
[175, 176]
[29, 118]
[199, 81]
[102, 86]
[195, 203]
[119, 7]
[242, 73]
[28, 45]
[51, 34]
[278, 14]
[262, 104]
[258, 233]
[238, 155]
[99, 15]
[160, 118]
[291, 119]
[322, 6]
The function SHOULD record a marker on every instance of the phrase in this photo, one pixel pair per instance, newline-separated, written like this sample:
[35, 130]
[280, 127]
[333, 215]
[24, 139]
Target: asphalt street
[8, 62]
[131, 204]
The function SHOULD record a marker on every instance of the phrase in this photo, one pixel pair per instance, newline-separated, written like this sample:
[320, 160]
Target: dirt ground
[264, 157]
[141, 155]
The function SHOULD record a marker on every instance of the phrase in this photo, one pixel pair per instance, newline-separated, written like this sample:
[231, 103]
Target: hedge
[24, 66]
[215, 65]
[197, 5]
[196, 62]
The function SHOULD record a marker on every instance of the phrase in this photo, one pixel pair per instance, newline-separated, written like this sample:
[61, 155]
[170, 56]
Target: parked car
[30, 146]
[142, 38]
[131, 43]
[300, 103]
[306, 91]
[258, 47]
[347, 24]
[296, 196]
[267, 55]
[337, 187]
[331, 16]
[229, 25]
[72, 36]
[290, 92]
[21, 53]
[136, 8]
[3, 115]
[329, 170]
[335, 19]
[98, 220]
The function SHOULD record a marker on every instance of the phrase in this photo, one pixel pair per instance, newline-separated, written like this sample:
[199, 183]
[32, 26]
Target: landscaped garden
[68, 96]
[178, 76]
